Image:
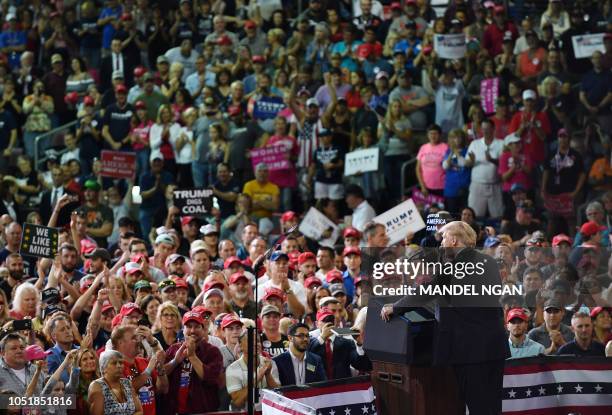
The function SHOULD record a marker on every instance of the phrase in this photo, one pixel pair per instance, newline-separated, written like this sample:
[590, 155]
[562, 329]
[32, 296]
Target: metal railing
[39, 155]
[409, 165]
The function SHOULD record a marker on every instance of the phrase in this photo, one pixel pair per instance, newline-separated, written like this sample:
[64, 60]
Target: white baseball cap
[529, 94]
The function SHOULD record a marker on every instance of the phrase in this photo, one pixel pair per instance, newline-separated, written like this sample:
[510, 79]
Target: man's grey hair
[595, 206]
[107, 356]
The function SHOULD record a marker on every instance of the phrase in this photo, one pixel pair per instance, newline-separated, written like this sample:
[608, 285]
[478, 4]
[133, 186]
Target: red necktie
[329, 360]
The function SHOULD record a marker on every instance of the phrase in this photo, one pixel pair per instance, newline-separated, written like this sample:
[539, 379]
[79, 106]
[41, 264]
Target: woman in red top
[501, 118]
[353, 97]
[139, 137]
[515, 167]
[532, 62]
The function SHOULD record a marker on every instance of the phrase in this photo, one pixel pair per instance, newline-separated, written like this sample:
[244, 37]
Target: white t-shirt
[484, 171]
[362, 214]
[236, 378]
[182, 156]
[21, 374]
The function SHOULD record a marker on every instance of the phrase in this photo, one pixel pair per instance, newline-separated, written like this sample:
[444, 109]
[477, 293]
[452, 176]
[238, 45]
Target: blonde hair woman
[275, 52]
[162, 134]
[87, 362]
[175, 76]
[119, 290]
[168, 321]
[556, 16]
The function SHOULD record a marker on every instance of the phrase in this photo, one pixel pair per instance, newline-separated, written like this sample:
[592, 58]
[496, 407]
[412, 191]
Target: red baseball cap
[396, 6]
[107, 306]
[306, 256]
[312, 281]
[120, 89]
[224, 40]
[249, 24]
[351, 232]
[88, 101]
[129, 308]
[230, 261]
[590, 228]
[185, 220]
[333, 275]
[71, 98]
[274, 292]
[193, 316]
[259, 59]
[595, 311]
[364, 50]
[35, 352]
[294, 256]
[351, 250]
[126, 17]
[516, 313]
[559, 239]
[180, 282]
[140, 105]
[139, 71]
[236, 276]
[499, 9]
[87, 246]
[230, 319]
[213, 284]
[138, 257]
[201, 310]
[323, 312]
[288, 215]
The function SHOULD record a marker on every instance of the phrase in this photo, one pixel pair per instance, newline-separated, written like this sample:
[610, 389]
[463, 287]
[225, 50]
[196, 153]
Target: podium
[404, 380]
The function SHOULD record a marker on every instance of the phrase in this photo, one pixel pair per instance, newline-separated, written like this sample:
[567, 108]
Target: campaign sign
[267, 107]
[450, 46]
[361, 161]
[489, 91]
[586, 45]
[193, 202]
[420, 199]
[275, 157]
[118, 164]
[400, 220]
[320, 228]
[39, 241]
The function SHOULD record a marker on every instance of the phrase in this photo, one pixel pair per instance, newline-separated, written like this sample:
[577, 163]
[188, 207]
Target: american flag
[558, 385]
[352, 396]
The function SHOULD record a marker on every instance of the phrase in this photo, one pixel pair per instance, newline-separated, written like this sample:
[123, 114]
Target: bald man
[470, 334]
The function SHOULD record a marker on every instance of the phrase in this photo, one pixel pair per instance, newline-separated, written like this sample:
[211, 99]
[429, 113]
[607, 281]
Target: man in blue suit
[296, 366]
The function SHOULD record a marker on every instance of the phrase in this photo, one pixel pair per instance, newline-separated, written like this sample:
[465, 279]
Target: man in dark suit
[50, 198]
[338, 354]
[470, 335]
[296, 366]
[117, 61]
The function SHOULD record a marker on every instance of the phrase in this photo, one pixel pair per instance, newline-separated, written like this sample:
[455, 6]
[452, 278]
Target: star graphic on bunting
[598, 388]
[364, 409]
[347, 411]
[512, 393]
[578, 388]
[374, 407]
[559, 389]
[542, 390]
[332, 412]
[528, 392]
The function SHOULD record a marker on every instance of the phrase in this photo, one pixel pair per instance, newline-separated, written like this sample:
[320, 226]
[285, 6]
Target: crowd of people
[145, 309]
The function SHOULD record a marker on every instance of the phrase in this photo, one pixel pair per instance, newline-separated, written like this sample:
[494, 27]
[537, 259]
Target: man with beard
[14, 263]
[68, 260]
[61, 332]
[239, 293]
[296, 366]
[469, 335]
[175, 265]
[99, 217]
[13, 242]
[98, 258]
[193, 368]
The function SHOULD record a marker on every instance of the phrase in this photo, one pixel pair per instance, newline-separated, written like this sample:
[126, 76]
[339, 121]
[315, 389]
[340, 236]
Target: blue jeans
[142, 162]
[200, 172]
[145, 216]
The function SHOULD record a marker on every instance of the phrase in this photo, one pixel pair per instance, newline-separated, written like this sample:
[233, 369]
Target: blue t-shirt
[457, 177]
[109, 30]
[13, 39]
